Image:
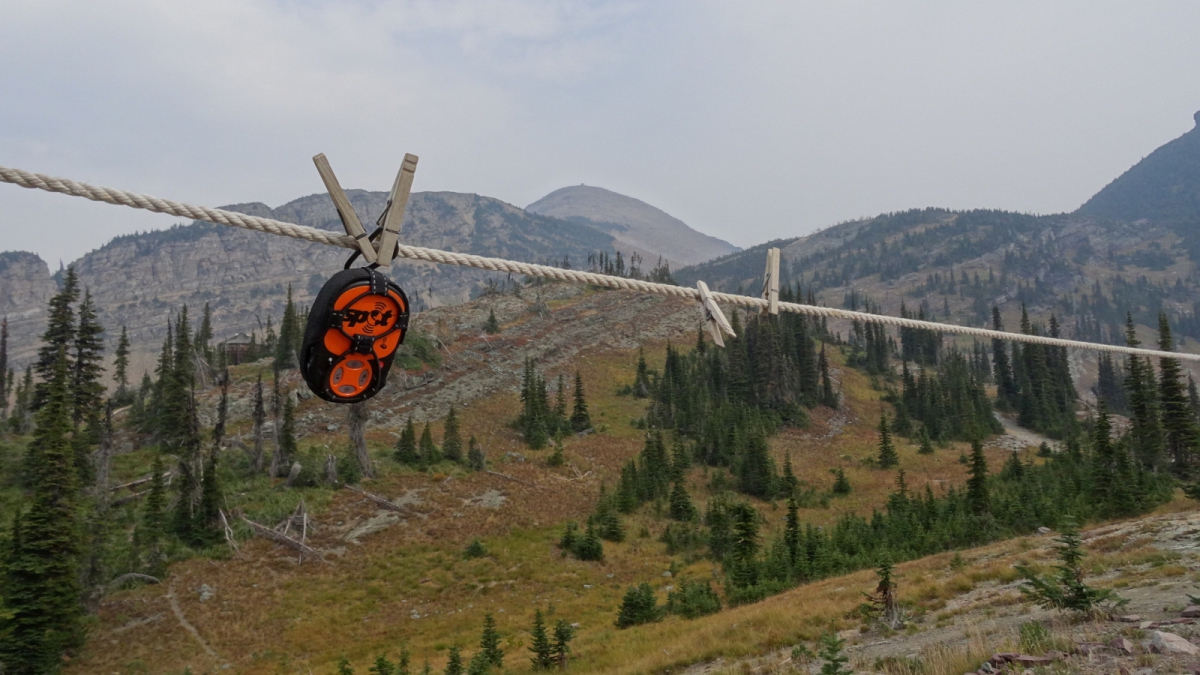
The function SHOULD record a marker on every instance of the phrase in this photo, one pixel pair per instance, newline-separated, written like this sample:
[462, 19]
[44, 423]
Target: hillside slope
[136, 280]
[399, 578]
[636, 225]
[1163, 187]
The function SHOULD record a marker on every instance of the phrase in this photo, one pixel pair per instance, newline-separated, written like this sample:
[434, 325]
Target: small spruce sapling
[563, 634]
[489, 642]
[454, 664]
[1066, 590]
[475, 458]
[474, 550]
[887, 451]
[831, 654]
[540, 648]
[382, 666]
[841, 485]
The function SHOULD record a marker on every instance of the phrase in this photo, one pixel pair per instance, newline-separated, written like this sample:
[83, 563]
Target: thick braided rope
[138, 201]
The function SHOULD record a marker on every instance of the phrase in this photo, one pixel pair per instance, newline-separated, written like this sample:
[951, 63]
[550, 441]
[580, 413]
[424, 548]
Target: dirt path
[1017, 437]
[174, 602]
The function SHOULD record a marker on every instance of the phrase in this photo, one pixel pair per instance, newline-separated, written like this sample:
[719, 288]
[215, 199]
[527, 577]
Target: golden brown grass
[271, 615]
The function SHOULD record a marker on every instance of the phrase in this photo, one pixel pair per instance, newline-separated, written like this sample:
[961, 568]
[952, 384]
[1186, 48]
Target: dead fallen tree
[379, 501]
[512, 478]
[284, 540]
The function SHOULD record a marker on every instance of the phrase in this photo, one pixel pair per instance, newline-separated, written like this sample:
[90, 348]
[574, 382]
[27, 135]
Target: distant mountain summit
[1163, 187]
[636, 225]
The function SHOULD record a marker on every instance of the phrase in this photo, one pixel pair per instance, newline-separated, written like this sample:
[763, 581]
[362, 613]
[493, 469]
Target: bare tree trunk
[257, 459]
[276, 410]
[358, 439]
[331, 475]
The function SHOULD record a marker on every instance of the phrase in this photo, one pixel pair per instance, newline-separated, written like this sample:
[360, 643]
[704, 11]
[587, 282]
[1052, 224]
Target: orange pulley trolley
[360, 316]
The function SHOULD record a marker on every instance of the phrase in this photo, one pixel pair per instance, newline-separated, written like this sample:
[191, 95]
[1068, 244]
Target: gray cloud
[747, 120]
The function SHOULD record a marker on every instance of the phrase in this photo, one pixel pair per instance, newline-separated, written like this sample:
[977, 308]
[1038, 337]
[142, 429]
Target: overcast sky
[749, 121]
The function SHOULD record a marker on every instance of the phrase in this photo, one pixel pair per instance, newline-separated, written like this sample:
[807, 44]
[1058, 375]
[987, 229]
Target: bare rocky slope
[636, 225]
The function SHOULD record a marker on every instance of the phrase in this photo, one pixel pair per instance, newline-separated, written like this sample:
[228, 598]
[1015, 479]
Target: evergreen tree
[607, 518]
[978, 498]
[828, 397]
[382, 666]
[756, 470]
[121, 367]
[286, 450]
[791, 532]
[588, 547]
[259, 417]
[492, 326]
[1066, 590]
[58, 339]
[451, 440]
[1109, 384]
[885, 602]
[489, 642]
[19, 420]
[288, 344]
[831, 653]
[580, 420]
[681, 508]
[1193, 397]
[204, 335]
[454, 664]
[539, 644]
[475, 458]
[788, 483]
[887, 452]
[639, 606]
[559, 423]
[563, 634]
[154, 522]
[427, 448]
[1145, 429]
[641, 382]
[406, 446]
[1013, 469]
[926, 443]
[6, 374]
[841, 485]
[42, 592]
[186, 517]
[742, 561]
[1178, 422]
[344, 667]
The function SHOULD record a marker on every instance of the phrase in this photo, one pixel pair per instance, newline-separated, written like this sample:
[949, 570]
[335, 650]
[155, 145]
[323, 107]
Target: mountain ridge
[631, 221]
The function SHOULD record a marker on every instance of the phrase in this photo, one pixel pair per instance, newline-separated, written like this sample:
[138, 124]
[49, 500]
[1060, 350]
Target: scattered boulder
[1044, 530]
[1130, 618]
[1191, 612]
[206, 592]
[1028, 661]
[1163, 642]
[1122, 646]
[293, 474]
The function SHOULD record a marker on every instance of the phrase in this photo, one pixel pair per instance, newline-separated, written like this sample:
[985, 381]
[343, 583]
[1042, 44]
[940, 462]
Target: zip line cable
[37, 181]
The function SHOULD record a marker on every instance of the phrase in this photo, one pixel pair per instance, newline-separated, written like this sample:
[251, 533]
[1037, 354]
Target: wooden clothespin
[345, 211]
[770, 290]
[394, 215]
[713, 318]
